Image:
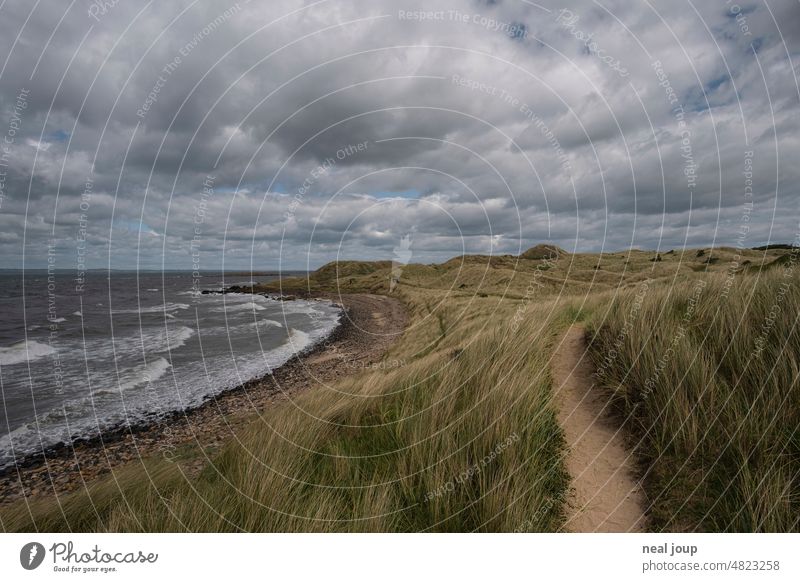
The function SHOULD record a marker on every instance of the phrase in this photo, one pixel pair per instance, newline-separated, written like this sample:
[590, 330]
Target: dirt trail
[606, 496]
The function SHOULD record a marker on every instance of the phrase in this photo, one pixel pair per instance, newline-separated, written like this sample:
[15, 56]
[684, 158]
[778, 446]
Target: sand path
[605, 495]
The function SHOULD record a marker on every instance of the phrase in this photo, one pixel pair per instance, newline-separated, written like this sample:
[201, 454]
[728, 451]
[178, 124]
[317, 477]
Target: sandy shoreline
[369, 325]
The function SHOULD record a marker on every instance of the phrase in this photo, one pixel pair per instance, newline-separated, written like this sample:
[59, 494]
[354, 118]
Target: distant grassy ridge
[463, 436]
[705, 375]
[509, 276]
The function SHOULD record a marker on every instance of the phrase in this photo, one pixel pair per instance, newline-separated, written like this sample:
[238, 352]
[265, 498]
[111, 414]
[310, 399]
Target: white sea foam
[166, 308]
[299, 340]
[177, 337]
[147, 341]
[24, 351]
[161, 340]
[251, 296]
[249, 306]
[302, 307]
[137, 376]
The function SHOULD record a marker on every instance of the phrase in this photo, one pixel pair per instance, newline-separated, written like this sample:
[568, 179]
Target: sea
[125, 348]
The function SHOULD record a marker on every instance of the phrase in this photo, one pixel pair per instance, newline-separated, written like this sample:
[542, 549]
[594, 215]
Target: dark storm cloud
[336, 128]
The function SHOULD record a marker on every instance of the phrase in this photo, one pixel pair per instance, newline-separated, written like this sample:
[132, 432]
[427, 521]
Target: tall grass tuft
[704, 374]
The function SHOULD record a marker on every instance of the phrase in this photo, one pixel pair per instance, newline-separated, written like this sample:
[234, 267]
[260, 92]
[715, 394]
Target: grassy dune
[463, 436]
[705, 376]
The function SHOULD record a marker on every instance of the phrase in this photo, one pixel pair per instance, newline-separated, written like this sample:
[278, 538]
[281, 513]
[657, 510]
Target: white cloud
[542, 138]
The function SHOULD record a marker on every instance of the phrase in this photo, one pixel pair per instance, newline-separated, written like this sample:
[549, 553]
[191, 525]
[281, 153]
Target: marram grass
[700, 360]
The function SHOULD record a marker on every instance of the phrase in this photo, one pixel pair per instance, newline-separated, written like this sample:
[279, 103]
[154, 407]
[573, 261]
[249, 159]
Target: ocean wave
[248, 328]
[302, 308]
[159, 340]
[233, 296]
[176, 338]
[137, 376]
[166, 308]
[147, 341]
[249, 306]
[299, 340]
[24, 351]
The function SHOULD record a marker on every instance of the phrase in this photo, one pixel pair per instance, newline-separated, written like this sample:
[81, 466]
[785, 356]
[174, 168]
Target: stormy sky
[285, 134]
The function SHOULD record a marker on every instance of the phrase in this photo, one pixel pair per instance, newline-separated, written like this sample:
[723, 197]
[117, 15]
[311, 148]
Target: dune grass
[463, 436]
[704, 375]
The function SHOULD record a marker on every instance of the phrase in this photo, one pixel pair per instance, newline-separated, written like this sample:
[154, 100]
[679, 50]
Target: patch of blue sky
[699, 100]
[59, 135]
[740, 10]
[411, 193]
[132, 226]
